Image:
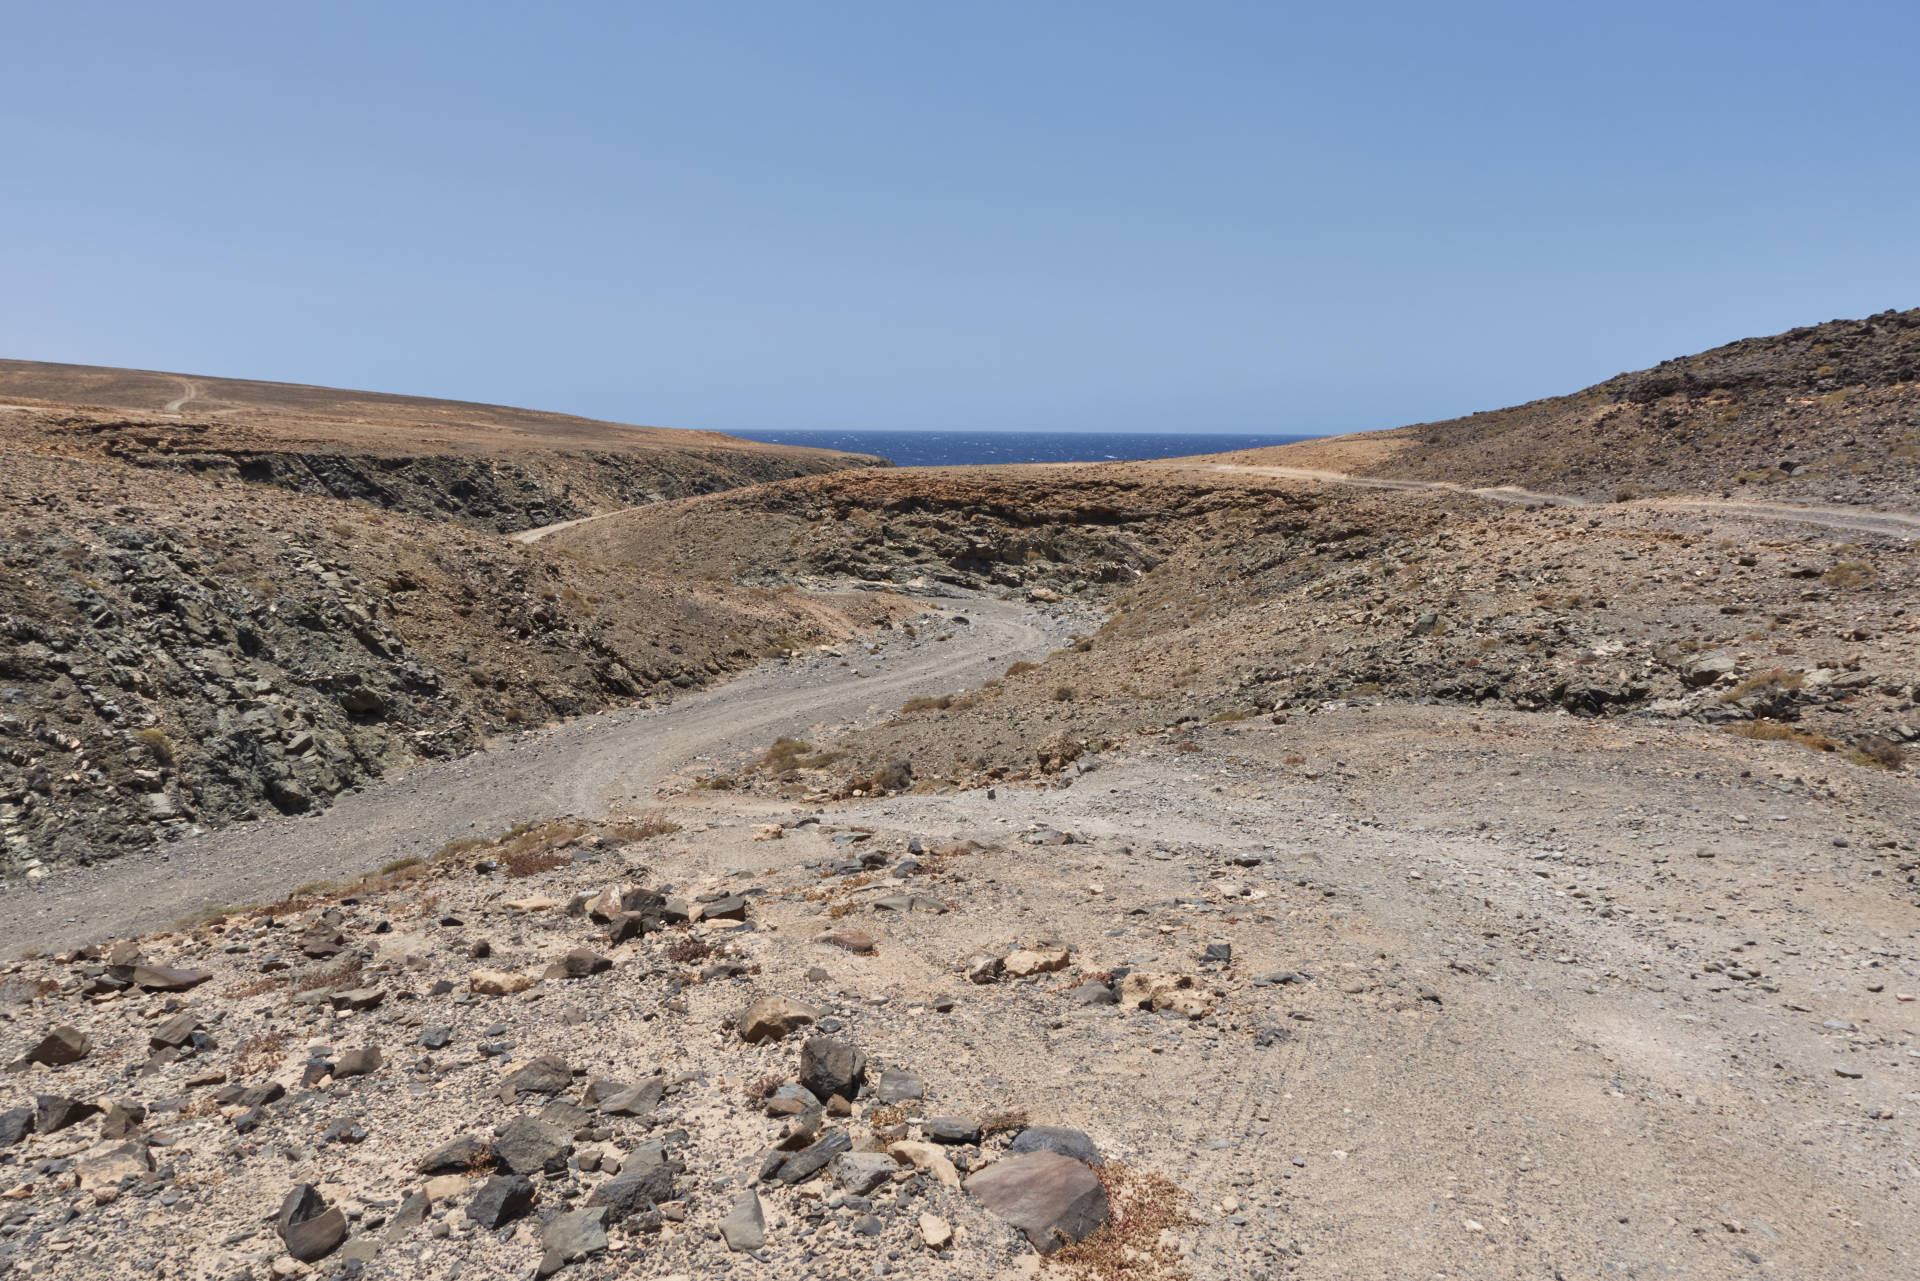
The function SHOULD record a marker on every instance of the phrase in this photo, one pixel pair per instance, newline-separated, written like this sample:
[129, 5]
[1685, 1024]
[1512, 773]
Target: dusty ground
[1509, 995]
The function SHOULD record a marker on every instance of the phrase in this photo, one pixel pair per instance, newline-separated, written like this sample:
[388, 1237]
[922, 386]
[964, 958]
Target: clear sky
[1048, 215]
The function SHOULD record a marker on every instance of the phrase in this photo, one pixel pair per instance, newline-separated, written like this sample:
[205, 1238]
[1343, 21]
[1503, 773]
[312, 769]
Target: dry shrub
[345, 974]
[533, 862]
[159, 746]
[1064, 694]
[1022, 666]
[1003, 1121]
[1128, 1247]
[715, 783]
[1294, 758]
[1777, 732]
[1881, 753]
[790, 754]
[1186, 745]
[258, 1053]
[763, 1086]
[1849, 573]
[886, 1114]
[1775, 678]
[400, 865]
[838, 910]
[650, 824]
[689, 951]
[253, 987]
[939, 704]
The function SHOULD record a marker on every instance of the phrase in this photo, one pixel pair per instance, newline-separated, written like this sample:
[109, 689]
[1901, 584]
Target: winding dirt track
[1852, 520]
[585, 767]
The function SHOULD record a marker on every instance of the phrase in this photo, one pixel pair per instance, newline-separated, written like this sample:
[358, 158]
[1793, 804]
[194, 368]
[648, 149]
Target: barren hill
[490, 467]
[1826, 413]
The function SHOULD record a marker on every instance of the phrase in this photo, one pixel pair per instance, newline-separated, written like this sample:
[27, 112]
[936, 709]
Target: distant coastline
[975, 448]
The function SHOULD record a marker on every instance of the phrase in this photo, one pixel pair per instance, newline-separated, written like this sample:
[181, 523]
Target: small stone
[935, 1232]
[925, 1156]
[773, 1017]
[544, 1075]
[529, 1146]
[358, 1062]
[573, 1236]
[951, 1130]
[1025, 963]
[579, 963]
[497, 982]
[359, 998]
[745, 1227]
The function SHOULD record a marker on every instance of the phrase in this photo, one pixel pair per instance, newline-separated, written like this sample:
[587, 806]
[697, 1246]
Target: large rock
[809, 1161]
[1708, 668]
[456, 1156]
[55, 1112]
[529, 1146]
[639, 1186]
[571, 1237]
[829, 1066]
[105, 1166]
[309, 1229]
[1058, 1139]
[15, 1125]
[501, 1199]
[745, 1228]
[358, 1062]
[773, 1017]
[858, 1173]
[60, 1047]
[898, 1086]
[1052, 1199]
[161, 978]
[545, 1075]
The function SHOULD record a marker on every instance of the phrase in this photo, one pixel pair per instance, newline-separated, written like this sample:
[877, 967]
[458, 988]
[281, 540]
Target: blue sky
[1038, 216]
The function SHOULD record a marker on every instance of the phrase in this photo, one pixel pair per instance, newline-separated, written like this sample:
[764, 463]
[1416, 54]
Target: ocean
[963, 448]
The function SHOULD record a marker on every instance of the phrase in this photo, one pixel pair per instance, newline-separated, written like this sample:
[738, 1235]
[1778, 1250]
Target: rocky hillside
[1823, 413]
[1226, 597]
[180, 649]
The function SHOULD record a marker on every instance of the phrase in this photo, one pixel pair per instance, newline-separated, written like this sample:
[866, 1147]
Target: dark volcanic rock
[501, 1199]
[55, 1112]
[830, 1066]
[640, 1186]
[1052, 1199]
[61, 1046]
[1058, 1139]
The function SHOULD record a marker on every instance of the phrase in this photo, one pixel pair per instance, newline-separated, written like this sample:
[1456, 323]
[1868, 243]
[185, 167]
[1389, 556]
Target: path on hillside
[191, 391]
[539, 532]
[584, 767]
[1852, 520]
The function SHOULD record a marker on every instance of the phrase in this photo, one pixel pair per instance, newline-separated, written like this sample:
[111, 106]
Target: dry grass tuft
[345, 974]
[644, 827]
[258, 1053]
[689, 951]
[1777, 678]
[1779, 732]
[788, 755]
[1002, 1121]
[253, 987]
[533, 862]
[1880, 753]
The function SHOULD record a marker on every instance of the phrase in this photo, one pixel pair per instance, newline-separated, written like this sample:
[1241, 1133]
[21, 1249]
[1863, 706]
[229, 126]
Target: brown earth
[1824, 413]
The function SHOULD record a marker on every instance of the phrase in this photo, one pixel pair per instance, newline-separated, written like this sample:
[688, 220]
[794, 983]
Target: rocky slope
[1228, 596]
[182, 650]
[1823, 413]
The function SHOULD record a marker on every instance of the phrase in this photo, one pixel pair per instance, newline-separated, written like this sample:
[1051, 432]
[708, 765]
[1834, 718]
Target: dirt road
[586, 767]
[1853, 520]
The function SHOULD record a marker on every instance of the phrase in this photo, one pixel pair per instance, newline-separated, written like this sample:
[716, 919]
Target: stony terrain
[1825, 413]
[1457, 992]
[1226, 595]
[1110, 873]
[181, 647]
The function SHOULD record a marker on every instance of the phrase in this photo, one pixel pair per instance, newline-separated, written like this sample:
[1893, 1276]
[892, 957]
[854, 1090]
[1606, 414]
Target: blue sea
[963, 448]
